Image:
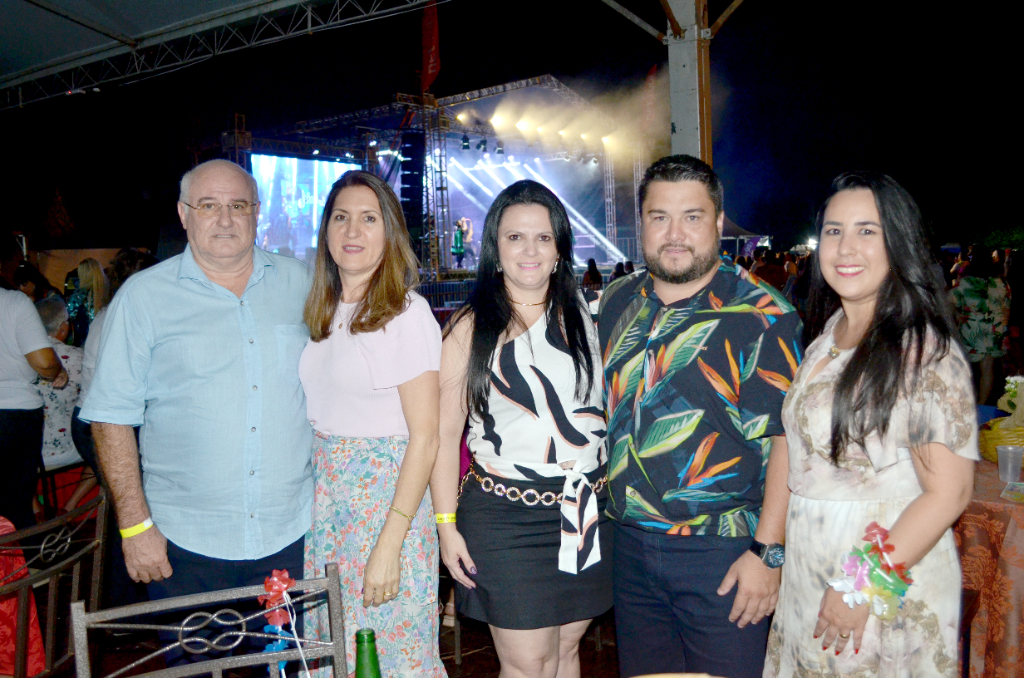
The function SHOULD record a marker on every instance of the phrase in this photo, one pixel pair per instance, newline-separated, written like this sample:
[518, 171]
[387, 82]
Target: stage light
[501, 147]
[487, 155]
[539, 130]
[537, 160]
[561, 133]
[316, 151]
[605, 140]
[373, 142]
[521, 125]
[511, 158]
[497, 121]
[347, 154]
[482, 145]
[583, 136]
[594, 161]
[461, 117]
[465, 142]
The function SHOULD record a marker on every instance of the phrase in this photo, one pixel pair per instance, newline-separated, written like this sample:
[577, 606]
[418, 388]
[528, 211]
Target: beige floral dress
[830, 507]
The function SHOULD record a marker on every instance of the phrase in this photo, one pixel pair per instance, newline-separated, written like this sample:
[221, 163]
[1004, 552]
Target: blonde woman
[92, 295]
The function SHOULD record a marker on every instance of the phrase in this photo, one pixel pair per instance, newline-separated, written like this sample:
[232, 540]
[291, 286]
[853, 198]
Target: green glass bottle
[367, 665]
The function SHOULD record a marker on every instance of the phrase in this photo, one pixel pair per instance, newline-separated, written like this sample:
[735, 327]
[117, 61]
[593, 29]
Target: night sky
[801, 91]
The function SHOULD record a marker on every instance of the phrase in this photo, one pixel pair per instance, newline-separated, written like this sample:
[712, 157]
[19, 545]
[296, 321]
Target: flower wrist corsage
[871, 577]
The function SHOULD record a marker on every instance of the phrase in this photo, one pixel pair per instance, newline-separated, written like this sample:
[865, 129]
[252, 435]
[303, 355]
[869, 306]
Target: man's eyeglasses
[212, 209]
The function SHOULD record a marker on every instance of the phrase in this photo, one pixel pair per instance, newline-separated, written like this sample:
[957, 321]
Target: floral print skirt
[355, 485]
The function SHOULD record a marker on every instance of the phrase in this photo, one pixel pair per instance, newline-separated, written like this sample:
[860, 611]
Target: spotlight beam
[456, 163]
[589, 227]
[490, 172]
[456, 184]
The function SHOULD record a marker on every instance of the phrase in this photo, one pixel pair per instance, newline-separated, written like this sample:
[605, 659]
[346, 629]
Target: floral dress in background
[983, 313]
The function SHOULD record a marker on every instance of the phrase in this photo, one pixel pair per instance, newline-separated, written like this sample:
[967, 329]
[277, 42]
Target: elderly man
[699, 355]
[58, 446]
[202, 351]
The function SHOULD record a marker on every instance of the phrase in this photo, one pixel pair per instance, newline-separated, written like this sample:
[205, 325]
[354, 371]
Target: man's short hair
[186, 179]
[683, 168]
[53, 312]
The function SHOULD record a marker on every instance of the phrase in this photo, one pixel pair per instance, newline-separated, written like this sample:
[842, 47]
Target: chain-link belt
[530, 496]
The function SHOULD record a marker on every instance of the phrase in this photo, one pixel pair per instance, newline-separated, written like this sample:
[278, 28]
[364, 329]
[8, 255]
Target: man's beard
[702, 264]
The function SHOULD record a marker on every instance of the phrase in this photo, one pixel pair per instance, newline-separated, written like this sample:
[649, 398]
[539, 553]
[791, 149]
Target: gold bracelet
[445, 518]
[409, 518]
[137, 529]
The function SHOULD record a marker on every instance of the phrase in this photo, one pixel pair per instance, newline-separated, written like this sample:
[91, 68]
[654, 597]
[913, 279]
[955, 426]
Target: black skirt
[515, 550]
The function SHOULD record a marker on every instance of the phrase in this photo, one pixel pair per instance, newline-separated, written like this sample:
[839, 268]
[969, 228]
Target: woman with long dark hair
[520, 361]
[882, 438]
[370, 372]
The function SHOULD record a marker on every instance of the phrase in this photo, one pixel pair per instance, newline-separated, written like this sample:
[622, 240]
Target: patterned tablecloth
[990, 535]
[10, 561]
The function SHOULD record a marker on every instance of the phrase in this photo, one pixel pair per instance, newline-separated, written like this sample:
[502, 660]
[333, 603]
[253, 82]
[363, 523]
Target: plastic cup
[1009, 462]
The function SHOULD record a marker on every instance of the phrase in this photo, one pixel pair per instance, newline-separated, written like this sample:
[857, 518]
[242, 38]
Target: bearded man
[698, 358]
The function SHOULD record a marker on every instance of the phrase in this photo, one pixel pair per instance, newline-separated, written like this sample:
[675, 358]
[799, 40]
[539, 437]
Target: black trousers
[118, 587]
[668, 614]
[195, 573]
[21, 455]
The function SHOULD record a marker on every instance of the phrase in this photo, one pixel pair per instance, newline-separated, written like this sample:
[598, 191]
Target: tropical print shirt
[983, 313]
[693, 393]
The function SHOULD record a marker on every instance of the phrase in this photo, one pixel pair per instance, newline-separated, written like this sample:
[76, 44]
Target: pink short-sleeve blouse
[351, 380]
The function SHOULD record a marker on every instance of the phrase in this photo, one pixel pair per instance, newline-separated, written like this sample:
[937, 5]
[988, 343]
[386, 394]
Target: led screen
[292, 196]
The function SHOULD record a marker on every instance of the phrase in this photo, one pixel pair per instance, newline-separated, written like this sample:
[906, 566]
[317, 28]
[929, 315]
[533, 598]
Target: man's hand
[145, 555]
[61, 380]
[758, 589]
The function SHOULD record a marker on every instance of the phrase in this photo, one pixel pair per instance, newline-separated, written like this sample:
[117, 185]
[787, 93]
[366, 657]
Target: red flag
[431, 46]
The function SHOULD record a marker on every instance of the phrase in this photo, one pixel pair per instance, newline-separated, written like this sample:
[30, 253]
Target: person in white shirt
[25, 355]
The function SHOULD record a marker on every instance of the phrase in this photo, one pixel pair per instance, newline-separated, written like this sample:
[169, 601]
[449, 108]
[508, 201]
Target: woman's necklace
[834, 351]
[522, 304]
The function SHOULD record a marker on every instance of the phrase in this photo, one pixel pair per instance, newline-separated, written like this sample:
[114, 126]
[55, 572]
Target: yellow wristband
[137, 529]
[445, 518]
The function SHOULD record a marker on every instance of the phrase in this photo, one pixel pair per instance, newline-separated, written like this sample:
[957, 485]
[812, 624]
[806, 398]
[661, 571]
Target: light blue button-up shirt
[214, 381]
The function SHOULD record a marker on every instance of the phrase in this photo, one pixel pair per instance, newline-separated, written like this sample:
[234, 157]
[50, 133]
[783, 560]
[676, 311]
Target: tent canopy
[731, 230]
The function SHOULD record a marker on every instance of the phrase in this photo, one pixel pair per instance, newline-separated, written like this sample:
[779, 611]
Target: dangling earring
[499, 268]
[555, 268]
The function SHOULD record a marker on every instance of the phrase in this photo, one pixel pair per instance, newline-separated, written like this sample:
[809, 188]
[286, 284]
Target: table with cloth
[12, 568]
[990, 535]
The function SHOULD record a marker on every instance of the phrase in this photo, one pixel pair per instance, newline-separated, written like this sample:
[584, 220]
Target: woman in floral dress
[882, 440]
[370, 372]
[983, 312]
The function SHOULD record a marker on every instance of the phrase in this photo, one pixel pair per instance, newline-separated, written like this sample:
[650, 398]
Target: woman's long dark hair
[491, 308]
[911, 306]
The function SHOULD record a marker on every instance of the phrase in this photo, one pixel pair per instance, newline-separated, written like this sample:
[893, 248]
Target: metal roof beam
[94, 26]
[256, 23]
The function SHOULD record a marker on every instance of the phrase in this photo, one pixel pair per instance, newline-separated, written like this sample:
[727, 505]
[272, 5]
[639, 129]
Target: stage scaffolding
[349, 135]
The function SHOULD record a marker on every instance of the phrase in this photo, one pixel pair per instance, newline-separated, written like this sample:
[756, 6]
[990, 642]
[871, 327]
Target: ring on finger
[844, 636]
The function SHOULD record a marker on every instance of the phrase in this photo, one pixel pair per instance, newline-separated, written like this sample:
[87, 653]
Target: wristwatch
[772, 555]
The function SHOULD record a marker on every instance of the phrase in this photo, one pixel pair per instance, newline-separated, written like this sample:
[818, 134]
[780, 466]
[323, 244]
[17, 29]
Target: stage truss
[131, 57]
[361, 136]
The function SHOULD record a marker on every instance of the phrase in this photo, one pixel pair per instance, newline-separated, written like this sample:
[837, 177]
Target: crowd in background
[72, 321]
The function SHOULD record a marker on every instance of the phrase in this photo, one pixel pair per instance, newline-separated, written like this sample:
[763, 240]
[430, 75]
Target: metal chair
[230, 627]
[52, 550]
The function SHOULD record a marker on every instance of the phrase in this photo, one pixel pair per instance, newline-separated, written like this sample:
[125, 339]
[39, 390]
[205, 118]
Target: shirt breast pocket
[291, 339]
